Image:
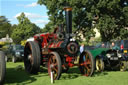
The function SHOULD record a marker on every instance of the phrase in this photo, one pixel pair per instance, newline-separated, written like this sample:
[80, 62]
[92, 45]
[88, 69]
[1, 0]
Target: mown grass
[18, 76]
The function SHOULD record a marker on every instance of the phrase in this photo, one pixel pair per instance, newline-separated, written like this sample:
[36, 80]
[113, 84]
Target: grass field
[16, 76]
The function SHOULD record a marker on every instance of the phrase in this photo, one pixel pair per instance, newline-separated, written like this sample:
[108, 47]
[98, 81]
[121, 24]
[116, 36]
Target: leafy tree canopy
[81, 19]
[24, 29]
[5, 27]
[110, 16]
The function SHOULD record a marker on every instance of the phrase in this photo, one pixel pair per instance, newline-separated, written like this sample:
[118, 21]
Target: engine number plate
[114, 58]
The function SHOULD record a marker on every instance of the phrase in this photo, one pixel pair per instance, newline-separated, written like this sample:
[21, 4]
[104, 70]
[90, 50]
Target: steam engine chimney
[68, 16]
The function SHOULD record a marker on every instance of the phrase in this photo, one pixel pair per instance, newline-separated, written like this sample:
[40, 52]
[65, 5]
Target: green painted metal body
[98, 51]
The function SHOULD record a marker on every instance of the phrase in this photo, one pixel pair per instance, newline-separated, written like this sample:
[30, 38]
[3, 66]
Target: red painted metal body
[57, 50]
[50, 42]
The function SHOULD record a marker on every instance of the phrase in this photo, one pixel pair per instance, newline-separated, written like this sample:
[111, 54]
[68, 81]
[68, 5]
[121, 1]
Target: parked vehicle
[17, 53]
[56, 51]
[2, 67]
[98, 50]
[123, 50]
[14, 52]
[110, 58]
[99, 56]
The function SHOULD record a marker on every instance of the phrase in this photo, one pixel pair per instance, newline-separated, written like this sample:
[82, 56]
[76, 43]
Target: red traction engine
[57, 51]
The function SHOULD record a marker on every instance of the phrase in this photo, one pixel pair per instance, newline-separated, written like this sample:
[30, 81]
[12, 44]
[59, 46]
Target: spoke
[87, 67]
[99, 65]
[55, 69]
[88, 61]
[55, 65]
[54, 59]
[88, 71]
[86, 56]
[54, 76]
[55, 72]
[85, 72]
[50, 60]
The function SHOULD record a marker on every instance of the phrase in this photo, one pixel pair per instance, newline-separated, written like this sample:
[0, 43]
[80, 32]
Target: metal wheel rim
[29, 60]
[87, 64]
[52, 63]
[99, 65]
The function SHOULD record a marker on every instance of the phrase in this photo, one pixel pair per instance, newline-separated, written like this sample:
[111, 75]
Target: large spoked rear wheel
[86, 63]
[99, 65]
[54, 65]
[2, 67]
[32, 57]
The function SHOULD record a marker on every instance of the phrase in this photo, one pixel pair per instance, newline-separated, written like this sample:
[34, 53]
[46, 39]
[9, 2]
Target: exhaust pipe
[68, 16]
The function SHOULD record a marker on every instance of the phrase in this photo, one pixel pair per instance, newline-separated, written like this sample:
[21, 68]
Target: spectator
[81, 48]
[103, 45]
[112, 45]
[115, 47]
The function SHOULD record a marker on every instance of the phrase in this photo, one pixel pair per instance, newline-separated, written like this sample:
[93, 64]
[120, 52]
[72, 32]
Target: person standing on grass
[103, 45]
[81, 50]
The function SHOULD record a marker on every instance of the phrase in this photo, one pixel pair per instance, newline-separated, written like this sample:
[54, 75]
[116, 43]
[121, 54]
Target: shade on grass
[73, 77]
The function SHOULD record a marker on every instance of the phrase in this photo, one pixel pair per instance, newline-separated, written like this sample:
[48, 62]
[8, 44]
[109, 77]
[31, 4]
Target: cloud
[34, 4]
[10, 19]
[41, 21]
[31, 5]
[31, 15]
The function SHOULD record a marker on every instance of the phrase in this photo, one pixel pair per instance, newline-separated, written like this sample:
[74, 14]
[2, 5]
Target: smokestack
[68, 16]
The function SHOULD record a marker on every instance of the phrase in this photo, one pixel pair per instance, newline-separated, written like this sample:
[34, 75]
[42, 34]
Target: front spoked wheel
[54, 65]
[86, 63]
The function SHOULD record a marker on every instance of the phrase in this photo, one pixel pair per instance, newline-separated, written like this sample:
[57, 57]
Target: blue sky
[12, 8]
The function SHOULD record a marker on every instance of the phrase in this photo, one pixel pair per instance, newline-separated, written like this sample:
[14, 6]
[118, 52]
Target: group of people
[112, 46]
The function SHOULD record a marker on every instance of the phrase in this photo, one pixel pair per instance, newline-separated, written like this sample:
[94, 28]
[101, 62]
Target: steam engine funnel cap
[67, 8]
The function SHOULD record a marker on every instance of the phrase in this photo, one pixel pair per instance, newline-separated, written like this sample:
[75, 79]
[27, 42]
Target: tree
[81, 18]
[5, 27]
[24, 29]
[3, 20]
[48, 27]
[110, 15]
[112, 18]
[108, 28]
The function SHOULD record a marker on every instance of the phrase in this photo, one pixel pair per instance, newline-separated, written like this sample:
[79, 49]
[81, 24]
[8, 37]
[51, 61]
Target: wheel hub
[51, 66]
[29, 57]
